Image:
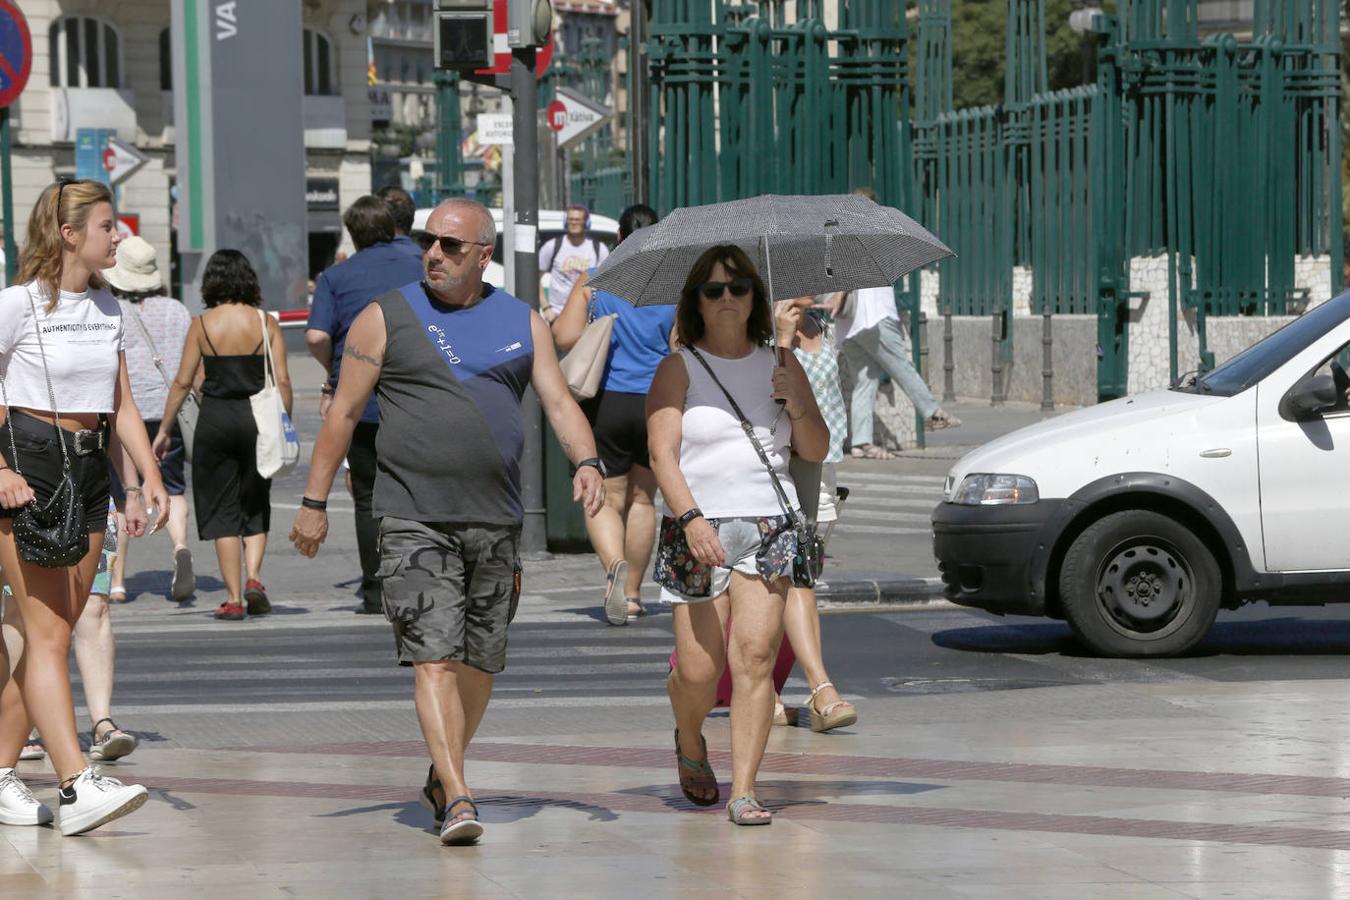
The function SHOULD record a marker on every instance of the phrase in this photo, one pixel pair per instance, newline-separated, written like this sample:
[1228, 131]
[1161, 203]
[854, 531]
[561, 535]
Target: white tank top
[722, 469]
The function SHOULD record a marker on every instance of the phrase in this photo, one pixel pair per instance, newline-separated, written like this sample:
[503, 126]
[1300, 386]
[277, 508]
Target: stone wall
[1073, 358]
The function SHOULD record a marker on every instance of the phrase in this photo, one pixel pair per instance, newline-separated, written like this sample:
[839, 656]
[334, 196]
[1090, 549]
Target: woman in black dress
[231, 499]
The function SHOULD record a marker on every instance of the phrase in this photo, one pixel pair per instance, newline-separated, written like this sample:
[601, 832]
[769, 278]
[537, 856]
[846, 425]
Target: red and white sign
[128, 224]
[573, 117]
[502, 65]
[16, 52]
[122, 160]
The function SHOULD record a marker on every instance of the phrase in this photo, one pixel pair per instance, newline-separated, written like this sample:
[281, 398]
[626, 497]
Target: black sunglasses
[739, 287]
[61, 188]
[450, 246]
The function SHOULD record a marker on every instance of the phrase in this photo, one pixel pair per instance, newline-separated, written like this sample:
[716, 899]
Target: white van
[1138, 519]
[552, 223]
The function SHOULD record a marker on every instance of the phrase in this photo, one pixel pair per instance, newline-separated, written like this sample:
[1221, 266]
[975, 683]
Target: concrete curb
[873, 591]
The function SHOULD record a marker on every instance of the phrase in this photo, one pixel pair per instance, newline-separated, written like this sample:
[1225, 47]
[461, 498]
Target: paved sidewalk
[1087, 791]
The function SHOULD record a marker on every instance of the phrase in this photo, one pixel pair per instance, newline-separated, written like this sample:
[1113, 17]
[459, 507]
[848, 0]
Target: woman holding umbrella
[726, 547]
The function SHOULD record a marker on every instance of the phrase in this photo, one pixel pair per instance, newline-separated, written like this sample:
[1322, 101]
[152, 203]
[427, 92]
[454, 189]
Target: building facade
[106, 64]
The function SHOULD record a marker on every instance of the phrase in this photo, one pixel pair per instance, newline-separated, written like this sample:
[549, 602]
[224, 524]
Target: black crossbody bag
[51, 534]
[809, 559]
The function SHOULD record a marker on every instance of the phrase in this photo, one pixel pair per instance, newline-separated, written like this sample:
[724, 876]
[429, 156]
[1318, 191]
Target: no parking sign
[16, 52]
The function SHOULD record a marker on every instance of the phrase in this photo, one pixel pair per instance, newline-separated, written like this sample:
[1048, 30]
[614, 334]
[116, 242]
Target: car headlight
[982, 489]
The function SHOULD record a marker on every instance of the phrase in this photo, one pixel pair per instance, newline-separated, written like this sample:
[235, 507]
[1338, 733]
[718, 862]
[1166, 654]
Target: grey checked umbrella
[801, 245]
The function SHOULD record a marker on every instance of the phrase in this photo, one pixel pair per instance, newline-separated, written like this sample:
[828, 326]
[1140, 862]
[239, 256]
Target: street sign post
[573, 117]
[16, 62]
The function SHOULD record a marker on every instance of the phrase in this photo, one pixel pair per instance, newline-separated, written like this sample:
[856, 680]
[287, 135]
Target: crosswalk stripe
[843, 527]
[294, 676]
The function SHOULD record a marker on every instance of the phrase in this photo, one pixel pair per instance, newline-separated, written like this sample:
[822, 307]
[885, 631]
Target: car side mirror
[1311, 396]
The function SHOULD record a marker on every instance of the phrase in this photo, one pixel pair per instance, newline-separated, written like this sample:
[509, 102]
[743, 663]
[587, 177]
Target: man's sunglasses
[739, 287]
[450, 246]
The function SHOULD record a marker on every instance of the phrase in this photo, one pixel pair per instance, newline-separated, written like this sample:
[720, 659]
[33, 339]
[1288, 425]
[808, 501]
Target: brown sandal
[703, 778]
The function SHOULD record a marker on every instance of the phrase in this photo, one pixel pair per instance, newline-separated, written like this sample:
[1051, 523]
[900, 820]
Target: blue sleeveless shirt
[641, 339]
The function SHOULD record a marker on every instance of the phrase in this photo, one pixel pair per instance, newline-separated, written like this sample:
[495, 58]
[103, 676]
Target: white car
[1138, 519]
[552, 223]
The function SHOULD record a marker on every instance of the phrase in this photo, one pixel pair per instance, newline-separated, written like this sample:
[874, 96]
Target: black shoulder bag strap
[794, 520]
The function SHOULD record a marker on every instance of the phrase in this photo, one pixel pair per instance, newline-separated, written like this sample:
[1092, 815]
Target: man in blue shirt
[379, 265]
[403, 209]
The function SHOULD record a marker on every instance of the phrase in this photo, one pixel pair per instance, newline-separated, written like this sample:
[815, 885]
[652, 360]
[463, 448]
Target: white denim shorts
[741, 542]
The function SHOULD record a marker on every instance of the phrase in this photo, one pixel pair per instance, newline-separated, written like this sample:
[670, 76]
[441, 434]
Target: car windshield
[1265, 356]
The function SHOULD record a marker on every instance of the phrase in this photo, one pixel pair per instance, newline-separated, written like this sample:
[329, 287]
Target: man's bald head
[464, 210]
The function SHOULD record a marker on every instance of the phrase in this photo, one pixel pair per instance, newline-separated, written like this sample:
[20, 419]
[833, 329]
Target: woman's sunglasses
[739, 287]
[450, 246]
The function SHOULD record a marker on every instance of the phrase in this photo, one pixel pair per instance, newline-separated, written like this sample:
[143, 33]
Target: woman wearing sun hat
[155, 327]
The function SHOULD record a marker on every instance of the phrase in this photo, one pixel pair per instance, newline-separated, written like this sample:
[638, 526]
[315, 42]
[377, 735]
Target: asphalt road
[870, 653]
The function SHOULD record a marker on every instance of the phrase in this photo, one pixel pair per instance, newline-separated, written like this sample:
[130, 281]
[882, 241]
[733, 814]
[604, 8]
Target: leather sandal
[456, 831]
[702, 779]
[836, 715]
[739, 812]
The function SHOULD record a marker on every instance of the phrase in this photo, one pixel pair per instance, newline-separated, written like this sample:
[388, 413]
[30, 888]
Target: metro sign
[502, 65]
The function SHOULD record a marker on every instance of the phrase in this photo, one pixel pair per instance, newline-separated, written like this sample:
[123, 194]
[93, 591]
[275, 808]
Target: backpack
[557, 245]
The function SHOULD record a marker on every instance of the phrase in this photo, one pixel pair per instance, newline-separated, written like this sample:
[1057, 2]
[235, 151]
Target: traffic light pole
[525, 133]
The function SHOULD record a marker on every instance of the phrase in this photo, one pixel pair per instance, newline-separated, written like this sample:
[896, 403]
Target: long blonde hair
[43, 253]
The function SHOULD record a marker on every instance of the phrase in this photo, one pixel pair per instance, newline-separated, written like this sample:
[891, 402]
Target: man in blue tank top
[448, 359]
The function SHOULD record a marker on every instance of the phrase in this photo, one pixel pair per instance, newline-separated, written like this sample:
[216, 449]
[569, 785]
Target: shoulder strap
[154, 351]
[214, 351]
[51, 393]
[595, 246]
[750, 433]
[269, 373]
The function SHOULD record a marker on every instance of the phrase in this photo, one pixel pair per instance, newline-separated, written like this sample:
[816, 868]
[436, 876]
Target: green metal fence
[746, 102]
[605, 191]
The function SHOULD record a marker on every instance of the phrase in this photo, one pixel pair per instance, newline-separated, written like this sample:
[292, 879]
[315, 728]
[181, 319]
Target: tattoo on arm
[354, 352]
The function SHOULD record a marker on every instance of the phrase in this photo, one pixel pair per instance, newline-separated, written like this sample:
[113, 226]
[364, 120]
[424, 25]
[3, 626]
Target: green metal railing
[605, 191]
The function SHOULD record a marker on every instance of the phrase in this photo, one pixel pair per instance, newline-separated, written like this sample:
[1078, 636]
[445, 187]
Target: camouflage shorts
[450, 590]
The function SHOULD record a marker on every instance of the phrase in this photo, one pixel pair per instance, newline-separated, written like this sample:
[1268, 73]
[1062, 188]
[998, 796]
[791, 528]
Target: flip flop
[703, 777]
[616, 604]
[739, 812]
[641, 612]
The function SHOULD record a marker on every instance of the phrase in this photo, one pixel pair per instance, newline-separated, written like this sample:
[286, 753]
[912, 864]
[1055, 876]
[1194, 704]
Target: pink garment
[782, 668]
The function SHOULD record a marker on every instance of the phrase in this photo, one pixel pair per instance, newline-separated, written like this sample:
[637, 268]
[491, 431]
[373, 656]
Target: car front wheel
[1137, 583]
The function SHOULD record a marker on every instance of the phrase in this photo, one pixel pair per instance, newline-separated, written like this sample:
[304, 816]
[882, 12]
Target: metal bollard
[948, 366]
[1047, 362]
[923, 348]
[996, 364]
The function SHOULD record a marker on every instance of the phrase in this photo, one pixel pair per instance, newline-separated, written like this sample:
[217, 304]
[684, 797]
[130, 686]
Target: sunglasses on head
[450, 246]
[739, 287]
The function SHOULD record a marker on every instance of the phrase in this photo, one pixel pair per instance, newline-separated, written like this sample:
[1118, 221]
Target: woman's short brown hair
[688, 319]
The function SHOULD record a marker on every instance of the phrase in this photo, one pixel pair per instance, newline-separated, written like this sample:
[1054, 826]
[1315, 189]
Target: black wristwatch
[596, 463]
[684, 520]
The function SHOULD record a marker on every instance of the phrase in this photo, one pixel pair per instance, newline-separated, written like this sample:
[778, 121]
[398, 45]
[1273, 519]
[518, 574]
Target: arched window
[85, 52]
[320, 64]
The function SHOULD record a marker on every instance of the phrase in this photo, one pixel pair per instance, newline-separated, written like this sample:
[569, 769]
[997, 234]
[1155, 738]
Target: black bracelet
[308, 503]
[684, 520]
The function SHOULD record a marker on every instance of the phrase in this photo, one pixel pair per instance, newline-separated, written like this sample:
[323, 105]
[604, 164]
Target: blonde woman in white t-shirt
[61, 340]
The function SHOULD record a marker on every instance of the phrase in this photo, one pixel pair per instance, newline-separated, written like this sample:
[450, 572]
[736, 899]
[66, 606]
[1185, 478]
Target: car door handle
[1216, 453]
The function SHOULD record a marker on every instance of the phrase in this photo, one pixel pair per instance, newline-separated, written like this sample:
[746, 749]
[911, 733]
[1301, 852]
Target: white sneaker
[93, 800]
[18, 806]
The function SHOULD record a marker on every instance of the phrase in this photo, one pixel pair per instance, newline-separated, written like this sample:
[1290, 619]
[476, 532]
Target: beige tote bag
[584, 365]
